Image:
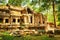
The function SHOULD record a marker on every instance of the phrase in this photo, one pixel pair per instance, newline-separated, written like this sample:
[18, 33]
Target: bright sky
[6, 1]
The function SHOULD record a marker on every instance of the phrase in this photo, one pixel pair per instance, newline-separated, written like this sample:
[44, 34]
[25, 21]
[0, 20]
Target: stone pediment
[15, 13]
[3, 7]
[16, 8]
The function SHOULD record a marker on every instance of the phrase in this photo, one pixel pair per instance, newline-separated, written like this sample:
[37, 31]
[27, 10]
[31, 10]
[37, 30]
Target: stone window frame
[14, 20]
[1, 20]
[18, 20]
[6, 20]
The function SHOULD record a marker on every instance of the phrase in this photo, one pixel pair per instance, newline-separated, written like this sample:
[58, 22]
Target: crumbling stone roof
[10, 7]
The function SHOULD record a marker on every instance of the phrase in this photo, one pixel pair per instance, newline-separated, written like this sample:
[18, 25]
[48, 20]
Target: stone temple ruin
[13, 17]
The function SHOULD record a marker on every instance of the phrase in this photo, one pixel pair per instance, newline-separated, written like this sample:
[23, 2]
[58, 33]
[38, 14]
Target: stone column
[41, 19]
[11, 20]
[25, 19]
[16, 20]
[29, 19]
[4, 21]
[33, 19]
[19, 21]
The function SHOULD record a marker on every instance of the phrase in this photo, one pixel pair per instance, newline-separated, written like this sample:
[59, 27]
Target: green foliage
[59, 8]
[2, 2]
[7, 37]
[15, 2]
[50, 18]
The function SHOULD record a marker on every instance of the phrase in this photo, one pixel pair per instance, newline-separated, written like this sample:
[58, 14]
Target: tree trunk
[53, 4]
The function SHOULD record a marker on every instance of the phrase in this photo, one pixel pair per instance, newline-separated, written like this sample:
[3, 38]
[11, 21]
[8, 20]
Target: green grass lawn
[6, 36]
[43, 37]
